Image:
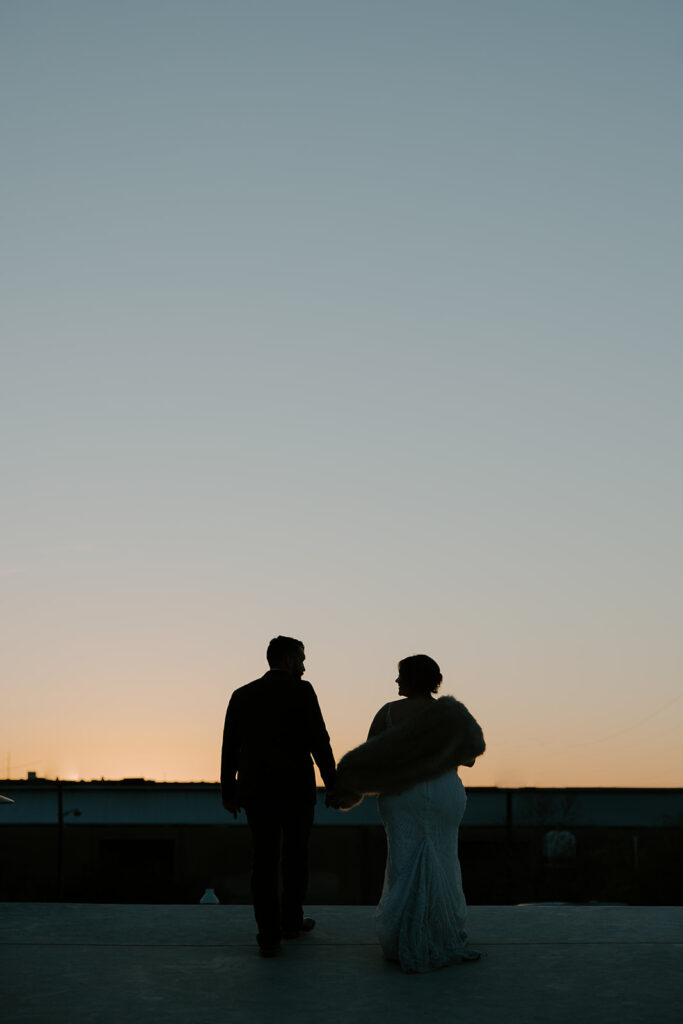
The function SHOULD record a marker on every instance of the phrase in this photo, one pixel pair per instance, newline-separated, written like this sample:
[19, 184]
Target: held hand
[342, 799]
[232, 807]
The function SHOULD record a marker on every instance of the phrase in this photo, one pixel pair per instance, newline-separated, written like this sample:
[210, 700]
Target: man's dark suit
[272, 726]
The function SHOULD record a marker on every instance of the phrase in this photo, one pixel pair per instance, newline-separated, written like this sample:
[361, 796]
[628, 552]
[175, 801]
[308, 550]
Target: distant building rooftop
[143, 801]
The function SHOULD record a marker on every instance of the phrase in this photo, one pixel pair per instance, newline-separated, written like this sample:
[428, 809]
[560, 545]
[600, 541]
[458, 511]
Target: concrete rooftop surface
[546, 963]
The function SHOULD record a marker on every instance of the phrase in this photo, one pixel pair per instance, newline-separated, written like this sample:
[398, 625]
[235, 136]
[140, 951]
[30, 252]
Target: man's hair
[280, 648]
[422, 671]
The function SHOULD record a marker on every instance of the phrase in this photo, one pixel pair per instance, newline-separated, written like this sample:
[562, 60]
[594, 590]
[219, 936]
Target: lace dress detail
[420, 919]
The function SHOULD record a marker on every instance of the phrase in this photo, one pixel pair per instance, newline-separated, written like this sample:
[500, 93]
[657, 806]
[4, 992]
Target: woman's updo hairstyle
[421, 672]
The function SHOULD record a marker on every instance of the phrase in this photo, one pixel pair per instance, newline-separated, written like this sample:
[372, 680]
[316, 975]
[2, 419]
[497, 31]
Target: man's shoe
[307, 925]
[270, 950]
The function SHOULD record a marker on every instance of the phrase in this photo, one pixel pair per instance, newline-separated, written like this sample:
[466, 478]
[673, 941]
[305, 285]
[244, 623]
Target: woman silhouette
[411, 760]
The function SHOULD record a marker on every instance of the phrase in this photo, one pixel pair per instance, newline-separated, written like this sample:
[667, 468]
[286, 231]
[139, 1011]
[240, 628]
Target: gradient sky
[353, 321]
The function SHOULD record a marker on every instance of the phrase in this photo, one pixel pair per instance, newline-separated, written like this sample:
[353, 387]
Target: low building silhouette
[135, 841]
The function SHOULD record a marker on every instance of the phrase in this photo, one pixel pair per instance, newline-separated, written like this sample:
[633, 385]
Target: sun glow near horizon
[606, 753]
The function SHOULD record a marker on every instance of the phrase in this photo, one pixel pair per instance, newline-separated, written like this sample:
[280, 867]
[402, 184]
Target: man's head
[287, 654]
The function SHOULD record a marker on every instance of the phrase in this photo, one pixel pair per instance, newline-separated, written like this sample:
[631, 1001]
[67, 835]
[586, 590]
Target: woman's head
[418, 676]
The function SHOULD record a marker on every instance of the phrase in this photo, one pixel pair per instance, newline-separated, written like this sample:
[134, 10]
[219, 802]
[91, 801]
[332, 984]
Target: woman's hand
[343, 799]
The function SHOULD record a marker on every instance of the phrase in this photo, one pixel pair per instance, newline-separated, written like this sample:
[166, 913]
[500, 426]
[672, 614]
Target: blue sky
[354, 321]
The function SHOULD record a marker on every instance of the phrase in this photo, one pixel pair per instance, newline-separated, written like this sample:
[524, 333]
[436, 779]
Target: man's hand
[342, 799]
[232, 807]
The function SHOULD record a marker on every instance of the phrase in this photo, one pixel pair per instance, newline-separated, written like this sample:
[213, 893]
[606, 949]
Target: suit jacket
[272, 726]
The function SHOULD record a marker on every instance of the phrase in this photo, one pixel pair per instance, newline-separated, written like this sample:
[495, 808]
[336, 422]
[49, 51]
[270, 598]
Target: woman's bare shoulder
[379, 722]
[398, 709]
[403, 709]
[382, 713]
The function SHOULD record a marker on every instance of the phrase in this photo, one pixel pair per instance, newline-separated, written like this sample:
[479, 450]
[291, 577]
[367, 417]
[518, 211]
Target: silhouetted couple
[410, 760]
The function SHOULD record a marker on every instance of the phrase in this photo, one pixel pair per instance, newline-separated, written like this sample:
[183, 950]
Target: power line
[629, 728]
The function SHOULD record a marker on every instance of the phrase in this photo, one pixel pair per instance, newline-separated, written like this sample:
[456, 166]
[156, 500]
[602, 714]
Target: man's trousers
[280, 832]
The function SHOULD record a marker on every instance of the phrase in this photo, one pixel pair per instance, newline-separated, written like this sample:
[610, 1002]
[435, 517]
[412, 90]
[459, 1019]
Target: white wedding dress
[420, 919]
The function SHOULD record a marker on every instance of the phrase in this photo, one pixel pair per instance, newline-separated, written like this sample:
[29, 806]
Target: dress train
[420, 919]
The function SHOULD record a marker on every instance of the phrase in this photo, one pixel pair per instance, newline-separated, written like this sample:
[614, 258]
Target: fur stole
[423, 747]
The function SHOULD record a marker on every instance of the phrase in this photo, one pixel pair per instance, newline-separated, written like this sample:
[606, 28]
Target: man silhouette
[272, 726]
